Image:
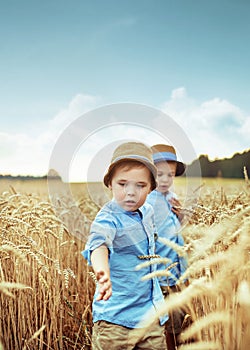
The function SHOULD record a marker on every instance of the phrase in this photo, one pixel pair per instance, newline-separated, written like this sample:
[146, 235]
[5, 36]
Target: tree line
[227, 168]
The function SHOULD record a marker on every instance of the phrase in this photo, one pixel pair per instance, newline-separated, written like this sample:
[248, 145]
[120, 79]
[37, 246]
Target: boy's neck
[163, 193]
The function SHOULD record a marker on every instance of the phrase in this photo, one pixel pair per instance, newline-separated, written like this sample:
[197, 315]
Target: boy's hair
[126, 166]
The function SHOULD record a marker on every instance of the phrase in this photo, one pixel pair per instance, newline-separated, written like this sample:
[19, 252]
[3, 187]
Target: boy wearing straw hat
[168, 219]
[121, 234]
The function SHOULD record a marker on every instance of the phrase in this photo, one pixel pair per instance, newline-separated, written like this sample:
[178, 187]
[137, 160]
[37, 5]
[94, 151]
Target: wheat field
[46, 287]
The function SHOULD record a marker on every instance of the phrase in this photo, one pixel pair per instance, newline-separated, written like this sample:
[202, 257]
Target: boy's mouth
[163, 186]
[129, 202]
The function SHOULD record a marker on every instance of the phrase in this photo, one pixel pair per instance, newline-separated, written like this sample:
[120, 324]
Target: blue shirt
[128, 235]
[168, 226]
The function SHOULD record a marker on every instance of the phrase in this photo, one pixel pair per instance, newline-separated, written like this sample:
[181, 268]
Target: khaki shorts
[109, 336]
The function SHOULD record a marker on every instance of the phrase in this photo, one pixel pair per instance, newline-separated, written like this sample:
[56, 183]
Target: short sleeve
[102, 232]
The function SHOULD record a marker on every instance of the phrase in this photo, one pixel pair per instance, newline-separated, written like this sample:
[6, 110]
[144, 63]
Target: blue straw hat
[167, 153]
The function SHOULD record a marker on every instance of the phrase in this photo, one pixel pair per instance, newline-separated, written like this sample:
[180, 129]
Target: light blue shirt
[168, 226]
[128, 236]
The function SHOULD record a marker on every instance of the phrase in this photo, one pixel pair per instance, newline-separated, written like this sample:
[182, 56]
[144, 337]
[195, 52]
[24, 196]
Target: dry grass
[218, 248]
[45, 290]
[45, 285]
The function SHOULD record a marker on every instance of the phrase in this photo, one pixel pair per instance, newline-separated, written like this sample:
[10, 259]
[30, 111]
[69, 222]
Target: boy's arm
[100, 263]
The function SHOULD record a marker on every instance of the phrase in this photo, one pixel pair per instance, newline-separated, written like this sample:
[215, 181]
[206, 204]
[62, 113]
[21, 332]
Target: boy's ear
[110, 187]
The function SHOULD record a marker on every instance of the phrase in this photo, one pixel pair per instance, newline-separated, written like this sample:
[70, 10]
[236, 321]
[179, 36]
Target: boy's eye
[140, 186]
[121, 184]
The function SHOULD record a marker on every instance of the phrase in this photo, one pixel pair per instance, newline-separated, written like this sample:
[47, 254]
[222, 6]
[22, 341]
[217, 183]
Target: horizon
[57, 174]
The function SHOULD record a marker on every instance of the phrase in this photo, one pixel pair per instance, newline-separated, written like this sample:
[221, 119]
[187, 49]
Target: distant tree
[227, 168]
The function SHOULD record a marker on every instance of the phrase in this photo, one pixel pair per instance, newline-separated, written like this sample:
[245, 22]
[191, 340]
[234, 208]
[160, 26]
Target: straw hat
[135, 151]
[163, 153]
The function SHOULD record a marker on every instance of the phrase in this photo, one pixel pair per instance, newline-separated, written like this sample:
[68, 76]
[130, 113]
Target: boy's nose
[164, 178]
[129, 189]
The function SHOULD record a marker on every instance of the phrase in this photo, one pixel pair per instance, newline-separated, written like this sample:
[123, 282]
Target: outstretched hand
[99, 259]
[104, 285]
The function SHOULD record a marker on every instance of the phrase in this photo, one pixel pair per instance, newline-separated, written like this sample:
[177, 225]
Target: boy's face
[165, 175]
[130, 187]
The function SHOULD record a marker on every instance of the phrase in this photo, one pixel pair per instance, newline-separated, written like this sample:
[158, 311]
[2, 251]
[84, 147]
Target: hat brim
[180, 169]
[169, 156]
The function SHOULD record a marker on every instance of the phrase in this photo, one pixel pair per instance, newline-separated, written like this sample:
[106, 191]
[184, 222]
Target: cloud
[21, 154]
[78, 105]
[29, 153]
[215, 127]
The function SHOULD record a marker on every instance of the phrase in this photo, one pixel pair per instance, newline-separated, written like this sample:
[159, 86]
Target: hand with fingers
[100, 262]
[104, 285]
[176, 208]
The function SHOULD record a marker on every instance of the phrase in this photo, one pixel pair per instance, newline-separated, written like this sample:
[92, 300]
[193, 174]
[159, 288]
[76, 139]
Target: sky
[62, 59]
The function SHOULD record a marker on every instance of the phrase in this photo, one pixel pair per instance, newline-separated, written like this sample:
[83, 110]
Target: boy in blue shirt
[123, 232]
[168, 219]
